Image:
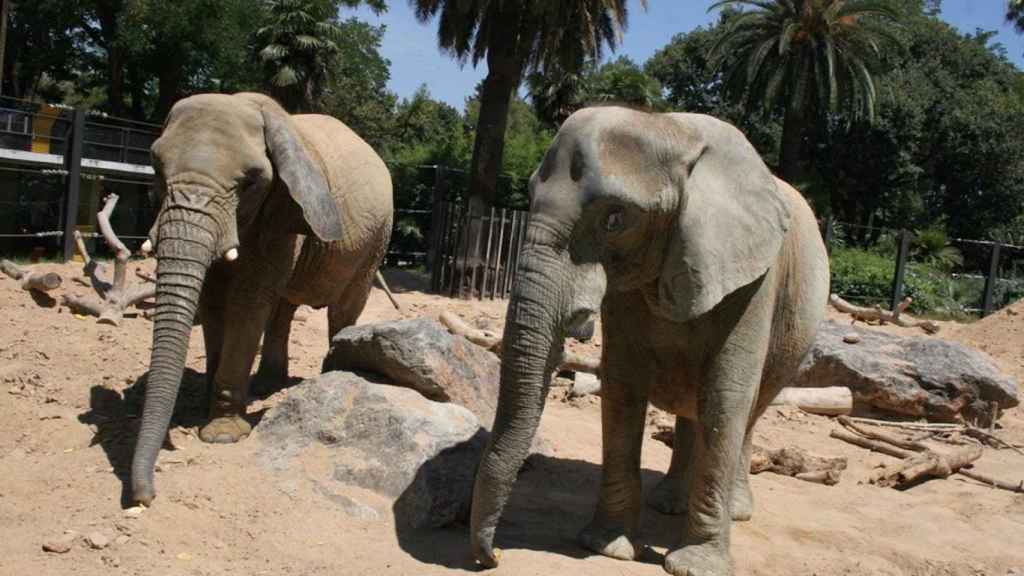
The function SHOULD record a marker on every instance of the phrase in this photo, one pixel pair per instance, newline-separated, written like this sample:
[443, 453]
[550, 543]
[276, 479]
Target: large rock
[420, 454]
[909, 375]
[421, 354]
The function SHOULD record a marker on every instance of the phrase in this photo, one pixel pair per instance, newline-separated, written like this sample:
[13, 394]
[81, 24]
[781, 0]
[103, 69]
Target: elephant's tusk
[231, 255]
[146, 247]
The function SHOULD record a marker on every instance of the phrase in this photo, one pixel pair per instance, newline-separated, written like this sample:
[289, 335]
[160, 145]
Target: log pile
[917, 461]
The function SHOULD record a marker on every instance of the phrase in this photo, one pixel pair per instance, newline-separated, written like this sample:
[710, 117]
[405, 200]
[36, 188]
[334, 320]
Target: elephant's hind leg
[346, 310]
[671, 493]
[273, 371]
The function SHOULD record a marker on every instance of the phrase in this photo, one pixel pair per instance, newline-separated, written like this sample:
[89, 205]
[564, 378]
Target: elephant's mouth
[581, 324]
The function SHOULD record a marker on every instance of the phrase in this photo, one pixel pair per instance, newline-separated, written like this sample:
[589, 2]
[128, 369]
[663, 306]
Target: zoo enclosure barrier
[981, 277]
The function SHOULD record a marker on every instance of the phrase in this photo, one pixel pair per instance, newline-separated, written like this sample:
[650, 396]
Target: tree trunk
[169, 84]
[794, 127]
[4, 8]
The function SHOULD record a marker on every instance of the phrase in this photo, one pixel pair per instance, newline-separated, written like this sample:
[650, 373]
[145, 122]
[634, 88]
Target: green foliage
[555, 95]
[862, 276]
[1015, 13]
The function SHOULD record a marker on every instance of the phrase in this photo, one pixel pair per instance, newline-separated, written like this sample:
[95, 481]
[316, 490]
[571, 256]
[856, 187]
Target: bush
[861, 276]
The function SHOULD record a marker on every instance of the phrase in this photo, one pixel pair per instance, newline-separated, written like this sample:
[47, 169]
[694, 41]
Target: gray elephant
[259, 212]
[711, 278]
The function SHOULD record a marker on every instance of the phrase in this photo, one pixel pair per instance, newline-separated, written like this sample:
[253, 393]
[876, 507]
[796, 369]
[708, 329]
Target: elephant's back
[354, 171]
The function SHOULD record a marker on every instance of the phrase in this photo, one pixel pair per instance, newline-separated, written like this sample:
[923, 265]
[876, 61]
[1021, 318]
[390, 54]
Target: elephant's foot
[610, 541]
[225, 430]
[708, 559]
[742, 502]
[669, 496]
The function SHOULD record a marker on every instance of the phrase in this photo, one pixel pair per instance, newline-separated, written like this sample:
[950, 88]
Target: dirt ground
[68, 389]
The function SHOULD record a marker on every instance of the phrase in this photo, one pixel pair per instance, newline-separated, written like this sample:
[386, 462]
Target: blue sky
[416, 59]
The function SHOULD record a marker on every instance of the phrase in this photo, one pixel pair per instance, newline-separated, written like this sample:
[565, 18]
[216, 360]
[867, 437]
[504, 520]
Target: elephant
[710, 277]
[259, 212]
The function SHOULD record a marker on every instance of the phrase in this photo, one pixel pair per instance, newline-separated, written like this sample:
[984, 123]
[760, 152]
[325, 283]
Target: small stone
[97, 541]
[60, 545]
[122, 539]
[851, 338]
[184, 556]
[134, 512]
[218, 544]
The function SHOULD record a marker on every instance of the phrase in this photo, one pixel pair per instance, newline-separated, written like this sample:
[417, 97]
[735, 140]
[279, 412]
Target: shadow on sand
[116, 416]
[552, 501]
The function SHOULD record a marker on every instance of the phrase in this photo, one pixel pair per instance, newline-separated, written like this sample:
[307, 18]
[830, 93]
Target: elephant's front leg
[724, 411]
[231, 382]
[613, 529]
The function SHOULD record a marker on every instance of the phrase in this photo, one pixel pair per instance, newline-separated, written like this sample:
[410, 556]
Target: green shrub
[861, 276]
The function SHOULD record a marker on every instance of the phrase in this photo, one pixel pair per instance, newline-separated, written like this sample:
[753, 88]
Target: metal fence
[962, 277]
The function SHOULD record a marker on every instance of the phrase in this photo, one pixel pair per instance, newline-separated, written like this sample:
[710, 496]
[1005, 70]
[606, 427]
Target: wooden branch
[925, 465]
[384, 287]
[873, 435]
[491, 341]
[38, 281]
[1018, 487]
[828, 401]
[873, 445]
[916, 426]
[121, 252]
[876, 314]
[145, 275]
[990, 438]
[113, 298]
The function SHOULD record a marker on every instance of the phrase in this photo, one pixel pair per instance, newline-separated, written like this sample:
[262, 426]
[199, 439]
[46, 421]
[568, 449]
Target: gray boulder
[421, 354]
[419, 454]
[916, 376]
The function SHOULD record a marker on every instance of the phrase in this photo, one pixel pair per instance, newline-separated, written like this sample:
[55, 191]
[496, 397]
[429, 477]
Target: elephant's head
[678, 206]
[217, 162]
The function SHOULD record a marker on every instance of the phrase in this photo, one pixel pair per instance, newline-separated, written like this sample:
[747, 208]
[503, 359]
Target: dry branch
[491, 341]
[876, 314]
[114, 297]
[882, 437]
[926, 465]
[30, 280]
[829, 401]
[1018, 487]
[873, 445]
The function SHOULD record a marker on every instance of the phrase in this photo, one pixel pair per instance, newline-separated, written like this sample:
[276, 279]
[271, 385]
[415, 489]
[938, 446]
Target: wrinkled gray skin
[711, 278]
[308, 207]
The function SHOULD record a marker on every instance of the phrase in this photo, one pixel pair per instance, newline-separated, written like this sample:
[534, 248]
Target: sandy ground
[68, 392]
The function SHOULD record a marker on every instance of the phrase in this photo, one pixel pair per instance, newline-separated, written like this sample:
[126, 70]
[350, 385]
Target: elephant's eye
[613, 221]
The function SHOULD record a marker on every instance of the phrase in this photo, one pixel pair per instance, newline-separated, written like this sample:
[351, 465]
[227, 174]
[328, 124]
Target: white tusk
[146, 247]
[231, 255]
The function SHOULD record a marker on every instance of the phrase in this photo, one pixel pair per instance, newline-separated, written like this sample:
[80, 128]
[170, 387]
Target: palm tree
[807, 59]
[517, 37]
[298, 46]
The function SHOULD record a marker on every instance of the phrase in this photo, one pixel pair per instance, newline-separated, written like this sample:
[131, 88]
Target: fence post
[73, 165]
[903, 247]
[990, 281]
[436, 216]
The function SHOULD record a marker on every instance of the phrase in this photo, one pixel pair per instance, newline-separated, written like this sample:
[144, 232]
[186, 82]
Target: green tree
[357, 92]
[807, 59]
[1015, 13]
[297, 47]
[515, 37]
[557, 95]
[41, 49]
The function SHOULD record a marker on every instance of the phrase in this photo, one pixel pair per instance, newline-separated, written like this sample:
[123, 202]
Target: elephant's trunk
[184, 253]
[532, 346]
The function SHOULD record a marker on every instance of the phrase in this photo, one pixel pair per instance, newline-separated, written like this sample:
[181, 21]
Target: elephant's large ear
[731, 223]
[304, 180]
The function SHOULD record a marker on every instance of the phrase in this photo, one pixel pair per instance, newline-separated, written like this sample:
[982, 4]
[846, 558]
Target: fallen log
[873, 445]
[880, 436]
[828, 401]
[876, 314]
[29, 279]
[491, 341]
